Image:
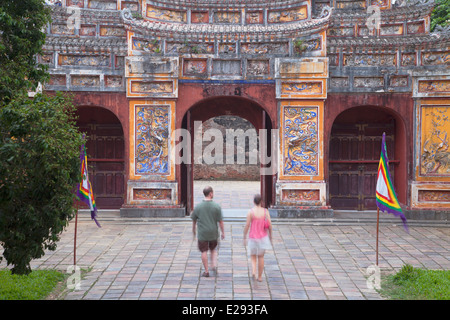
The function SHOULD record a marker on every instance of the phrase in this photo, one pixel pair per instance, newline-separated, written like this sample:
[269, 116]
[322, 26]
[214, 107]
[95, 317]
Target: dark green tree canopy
[39, 141]
[22, 35]
[441, 14]
[40, 148]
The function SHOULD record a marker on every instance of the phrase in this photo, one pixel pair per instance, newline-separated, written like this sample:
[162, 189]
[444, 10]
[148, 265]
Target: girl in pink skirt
[260, 236]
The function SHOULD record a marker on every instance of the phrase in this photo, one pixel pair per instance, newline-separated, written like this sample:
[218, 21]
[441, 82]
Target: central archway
[219, 106]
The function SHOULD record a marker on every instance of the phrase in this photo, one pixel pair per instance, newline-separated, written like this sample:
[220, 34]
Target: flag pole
[75, 239]
[378, 223]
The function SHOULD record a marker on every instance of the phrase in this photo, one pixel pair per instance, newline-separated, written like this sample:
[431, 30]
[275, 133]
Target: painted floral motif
[103, 5]
[288, 15]
[434, 195]
[227, 17]
[436, 58]
[305, 88]
[370, 60]
[113, 81]
[300, 141]
[78, 3]
[189, 47]
[199, 17]
[301, 195]
[264, 48]
[151, 87]
[356, 4]
[166, 15]
[380, 3]
[193, 67]
[146, 46]
[254, 17]
[152, 135]
[81, 60]
[258, 67]
[408, 59]
[112, 32]
[152, 194]
[85, 81]
[57, 80]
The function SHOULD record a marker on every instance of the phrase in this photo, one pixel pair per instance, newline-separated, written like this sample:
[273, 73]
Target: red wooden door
[354, 157]
[106, 163]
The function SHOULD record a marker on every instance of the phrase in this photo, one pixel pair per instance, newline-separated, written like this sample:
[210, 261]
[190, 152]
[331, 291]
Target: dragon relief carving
[435, 157]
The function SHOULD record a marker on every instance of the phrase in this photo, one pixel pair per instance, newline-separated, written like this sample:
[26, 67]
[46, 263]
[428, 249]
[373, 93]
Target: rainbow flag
[84, 191]
[386, 198]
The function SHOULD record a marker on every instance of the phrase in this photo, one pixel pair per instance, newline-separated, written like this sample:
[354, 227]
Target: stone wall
[246, 172]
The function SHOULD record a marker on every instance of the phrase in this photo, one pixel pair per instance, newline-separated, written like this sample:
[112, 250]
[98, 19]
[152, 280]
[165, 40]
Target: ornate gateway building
[328, 77]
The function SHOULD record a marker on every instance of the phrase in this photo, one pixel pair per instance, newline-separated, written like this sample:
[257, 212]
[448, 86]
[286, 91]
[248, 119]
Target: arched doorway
[237, 176]
[231, 106]
[354, 154]
[105, 151]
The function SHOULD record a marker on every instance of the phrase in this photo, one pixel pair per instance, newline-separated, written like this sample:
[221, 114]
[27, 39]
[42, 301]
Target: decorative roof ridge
[441, 31]
[86, 44]
[60, 12]
[390, 40]
[411, 3]
[416, 7]
[219, 30]
[226, 4]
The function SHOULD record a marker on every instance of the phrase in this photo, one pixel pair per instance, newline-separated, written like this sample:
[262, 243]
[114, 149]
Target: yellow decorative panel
[301, 140]
[151, 125]
[307, 88]
[434, 86]
[434, 152]
[163, 88]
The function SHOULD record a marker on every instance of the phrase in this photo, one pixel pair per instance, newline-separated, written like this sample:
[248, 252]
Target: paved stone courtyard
[312, 259]
[159, 260]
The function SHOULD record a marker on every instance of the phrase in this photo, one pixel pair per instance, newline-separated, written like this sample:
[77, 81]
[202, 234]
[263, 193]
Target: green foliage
[39, 148]
[440, 14]
[406, 273]
[21, 39]
[35, 286]
[299, 44]
[413, 283]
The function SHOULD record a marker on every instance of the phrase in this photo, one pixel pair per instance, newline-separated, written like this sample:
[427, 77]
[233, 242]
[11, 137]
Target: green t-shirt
[207, 214]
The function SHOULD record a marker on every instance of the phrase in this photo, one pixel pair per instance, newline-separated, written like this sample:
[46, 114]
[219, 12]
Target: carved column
[430, 189]
[301, 87]
[152, 87]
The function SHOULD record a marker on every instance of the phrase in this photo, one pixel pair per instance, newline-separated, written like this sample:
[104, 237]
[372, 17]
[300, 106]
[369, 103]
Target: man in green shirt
[205, 217]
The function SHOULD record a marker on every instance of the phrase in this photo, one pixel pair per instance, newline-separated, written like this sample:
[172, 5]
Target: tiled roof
[85, 44]
[420, 9]
[232, 32]
[440, 35]
[206, 4]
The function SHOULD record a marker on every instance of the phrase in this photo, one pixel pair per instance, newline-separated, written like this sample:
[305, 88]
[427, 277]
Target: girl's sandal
[205, 274]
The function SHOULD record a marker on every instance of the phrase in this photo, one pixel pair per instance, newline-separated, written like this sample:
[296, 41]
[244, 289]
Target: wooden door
[354, 157]
[106, 163]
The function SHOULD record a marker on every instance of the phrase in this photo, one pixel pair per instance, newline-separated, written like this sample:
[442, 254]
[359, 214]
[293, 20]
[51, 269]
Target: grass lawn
[417, 284]
[38, 285]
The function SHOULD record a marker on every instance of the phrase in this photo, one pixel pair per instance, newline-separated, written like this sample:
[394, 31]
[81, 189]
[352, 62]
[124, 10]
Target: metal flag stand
[378, 224]
[75, 237]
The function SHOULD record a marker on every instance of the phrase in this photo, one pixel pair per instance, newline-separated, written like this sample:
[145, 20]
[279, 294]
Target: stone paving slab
[229, 194]
[159, 260]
